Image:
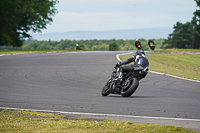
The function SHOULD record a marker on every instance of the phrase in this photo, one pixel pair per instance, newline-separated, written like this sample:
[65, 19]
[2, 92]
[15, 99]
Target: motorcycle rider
[78, 47]
[139, 59]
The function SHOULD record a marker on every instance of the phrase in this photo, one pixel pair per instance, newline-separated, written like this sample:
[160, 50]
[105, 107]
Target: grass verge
[181, 65]
[177, 50]
[33, 113]
[12, 123]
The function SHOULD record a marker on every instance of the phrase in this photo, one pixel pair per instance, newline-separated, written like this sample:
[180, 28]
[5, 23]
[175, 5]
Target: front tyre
[131, 89]
[106, 91]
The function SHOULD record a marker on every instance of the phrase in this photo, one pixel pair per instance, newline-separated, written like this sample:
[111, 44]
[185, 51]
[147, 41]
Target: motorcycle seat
[138, 68]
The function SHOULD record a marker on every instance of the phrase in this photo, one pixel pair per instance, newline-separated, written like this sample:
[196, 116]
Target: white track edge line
[109, 115]
[117, 56]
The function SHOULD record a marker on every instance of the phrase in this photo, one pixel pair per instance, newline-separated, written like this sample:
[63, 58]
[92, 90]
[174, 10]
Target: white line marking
[117, 56]
[174, 76]
[109, 115]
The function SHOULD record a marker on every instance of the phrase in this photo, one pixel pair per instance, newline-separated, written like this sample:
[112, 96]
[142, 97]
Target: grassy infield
[183, 65]
[9, 122]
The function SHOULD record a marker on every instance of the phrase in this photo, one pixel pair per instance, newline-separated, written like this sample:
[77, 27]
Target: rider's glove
[118, 64]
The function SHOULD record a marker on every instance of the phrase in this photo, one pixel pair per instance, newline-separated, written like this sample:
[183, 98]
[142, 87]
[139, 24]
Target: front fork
[114, 87]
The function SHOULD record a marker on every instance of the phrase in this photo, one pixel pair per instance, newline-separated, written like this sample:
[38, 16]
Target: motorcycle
[126, 86]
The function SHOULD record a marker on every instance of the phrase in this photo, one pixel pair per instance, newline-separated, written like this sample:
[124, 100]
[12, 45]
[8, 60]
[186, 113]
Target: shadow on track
[119, 96]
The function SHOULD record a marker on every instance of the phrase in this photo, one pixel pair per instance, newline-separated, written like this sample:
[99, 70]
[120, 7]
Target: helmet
[151, 44]
[140, 52]
[138, 44]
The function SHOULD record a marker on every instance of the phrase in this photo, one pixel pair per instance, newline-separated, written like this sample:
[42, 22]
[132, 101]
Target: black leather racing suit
[139, 59]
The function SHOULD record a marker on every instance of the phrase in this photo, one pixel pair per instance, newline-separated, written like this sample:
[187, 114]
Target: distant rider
[139, 59]
[78, 47]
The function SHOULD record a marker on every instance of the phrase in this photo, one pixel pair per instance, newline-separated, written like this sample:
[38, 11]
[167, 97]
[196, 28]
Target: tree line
[91, 45]
[186, 35]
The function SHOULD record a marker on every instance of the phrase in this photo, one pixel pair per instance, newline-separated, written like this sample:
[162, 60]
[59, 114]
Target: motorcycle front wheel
[132, 88]
[106, 91]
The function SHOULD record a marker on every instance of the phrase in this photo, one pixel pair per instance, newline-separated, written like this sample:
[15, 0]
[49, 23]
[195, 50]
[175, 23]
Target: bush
[113, 47]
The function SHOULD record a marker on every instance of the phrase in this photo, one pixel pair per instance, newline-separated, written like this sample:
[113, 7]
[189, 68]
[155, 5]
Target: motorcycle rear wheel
[133, 87]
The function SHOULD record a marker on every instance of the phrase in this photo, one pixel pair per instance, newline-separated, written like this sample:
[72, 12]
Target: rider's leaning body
[139, 59]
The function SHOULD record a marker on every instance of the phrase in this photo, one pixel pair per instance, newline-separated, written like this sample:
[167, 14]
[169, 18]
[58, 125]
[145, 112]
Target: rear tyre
[133, 87]
[106, 91]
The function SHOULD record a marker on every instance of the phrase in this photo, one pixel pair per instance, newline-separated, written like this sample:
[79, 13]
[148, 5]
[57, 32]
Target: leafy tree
[113, 47]
[18, 17]
[181, 36]
[185, 35]
[197, 15]
[196, 32]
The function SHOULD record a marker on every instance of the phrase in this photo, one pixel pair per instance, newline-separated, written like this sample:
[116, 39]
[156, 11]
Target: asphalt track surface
[72, 82]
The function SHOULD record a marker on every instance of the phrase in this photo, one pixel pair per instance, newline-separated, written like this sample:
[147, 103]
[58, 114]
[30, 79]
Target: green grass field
[181, 65]
[177, 50]
[10, 122]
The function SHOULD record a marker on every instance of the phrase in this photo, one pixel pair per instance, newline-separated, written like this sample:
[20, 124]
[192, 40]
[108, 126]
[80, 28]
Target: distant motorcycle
[126, 86]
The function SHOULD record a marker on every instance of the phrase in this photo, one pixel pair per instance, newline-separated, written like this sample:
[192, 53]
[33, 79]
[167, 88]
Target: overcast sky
[103, 15]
